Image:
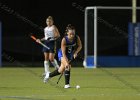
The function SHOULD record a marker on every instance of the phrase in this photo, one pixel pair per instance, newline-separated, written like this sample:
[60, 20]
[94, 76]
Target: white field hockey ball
[77, 86]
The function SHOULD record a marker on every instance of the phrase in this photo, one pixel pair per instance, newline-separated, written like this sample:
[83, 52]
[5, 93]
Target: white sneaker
[46, 78]
[67, 86]
[44, 74]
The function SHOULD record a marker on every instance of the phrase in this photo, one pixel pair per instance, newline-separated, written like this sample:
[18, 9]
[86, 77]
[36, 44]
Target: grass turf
[96, 84]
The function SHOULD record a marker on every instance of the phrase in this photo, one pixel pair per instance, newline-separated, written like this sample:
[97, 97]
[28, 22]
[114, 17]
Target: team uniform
[51, 43]
[49, 40]
[70, 47]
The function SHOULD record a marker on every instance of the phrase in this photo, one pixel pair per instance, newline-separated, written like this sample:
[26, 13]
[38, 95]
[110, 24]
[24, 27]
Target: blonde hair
[50, 18]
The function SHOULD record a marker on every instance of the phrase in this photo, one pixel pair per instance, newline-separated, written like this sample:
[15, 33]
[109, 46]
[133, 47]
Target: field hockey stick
[34, 38]
[69, 62]
[59, 78]
[62, 74]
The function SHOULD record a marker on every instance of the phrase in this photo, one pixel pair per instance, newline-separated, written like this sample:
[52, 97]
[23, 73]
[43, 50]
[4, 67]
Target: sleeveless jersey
[70, 45]
[48, 32]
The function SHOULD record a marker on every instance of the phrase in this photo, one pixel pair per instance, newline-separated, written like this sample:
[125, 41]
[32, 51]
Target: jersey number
[69, 49]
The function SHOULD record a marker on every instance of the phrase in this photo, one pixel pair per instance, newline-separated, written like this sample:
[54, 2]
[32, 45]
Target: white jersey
[49, 32]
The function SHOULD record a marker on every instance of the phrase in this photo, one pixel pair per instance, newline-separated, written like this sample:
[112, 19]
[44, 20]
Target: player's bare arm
[63, 47]
[56, 32]
[79, 44]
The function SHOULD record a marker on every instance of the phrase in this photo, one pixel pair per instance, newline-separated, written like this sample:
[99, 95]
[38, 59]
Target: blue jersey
[70, 48]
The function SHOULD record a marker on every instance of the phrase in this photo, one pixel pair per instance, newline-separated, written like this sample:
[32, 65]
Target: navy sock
[54, 73]
[67, 76]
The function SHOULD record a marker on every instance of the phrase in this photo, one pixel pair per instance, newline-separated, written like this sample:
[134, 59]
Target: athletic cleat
[67, 86]
[46, 78]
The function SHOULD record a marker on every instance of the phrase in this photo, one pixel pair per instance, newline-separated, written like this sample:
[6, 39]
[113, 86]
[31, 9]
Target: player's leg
[46, 62]
[63, 68]
[54, 73]
[67, 78]
[53, 60]
[46, 58]
[67, 73]
[57, 71]
[52, 54]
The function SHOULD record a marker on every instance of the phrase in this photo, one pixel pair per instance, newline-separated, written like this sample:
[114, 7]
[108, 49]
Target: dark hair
[69, 27]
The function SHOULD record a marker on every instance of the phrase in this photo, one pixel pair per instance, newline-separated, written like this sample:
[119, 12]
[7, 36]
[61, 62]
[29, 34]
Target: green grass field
[96, 84]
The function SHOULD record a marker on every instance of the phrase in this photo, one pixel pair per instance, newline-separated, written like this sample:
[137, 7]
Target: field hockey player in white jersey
[51, 33]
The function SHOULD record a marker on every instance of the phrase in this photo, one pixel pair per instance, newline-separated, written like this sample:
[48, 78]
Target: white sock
[46, 66]
[55, 64]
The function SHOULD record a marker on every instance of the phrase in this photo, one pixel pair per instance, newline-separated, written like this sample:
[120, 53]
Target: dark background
[21, 17]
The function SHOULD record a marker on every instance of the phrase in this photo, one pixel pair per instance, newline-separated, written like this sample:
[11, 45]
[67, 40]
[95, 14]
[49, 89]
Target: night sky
[21, 17]
[64, 12]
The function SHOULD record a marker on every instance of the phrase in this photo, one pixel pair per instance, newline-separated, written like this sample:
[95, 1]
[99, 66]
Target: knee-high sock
[46, 66]
[54, 73]
[55, 64]
[67, 77]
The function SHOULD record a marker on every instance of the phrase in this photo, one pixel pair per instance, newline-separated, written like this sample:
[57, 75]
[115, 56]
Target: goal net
[109, 38]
